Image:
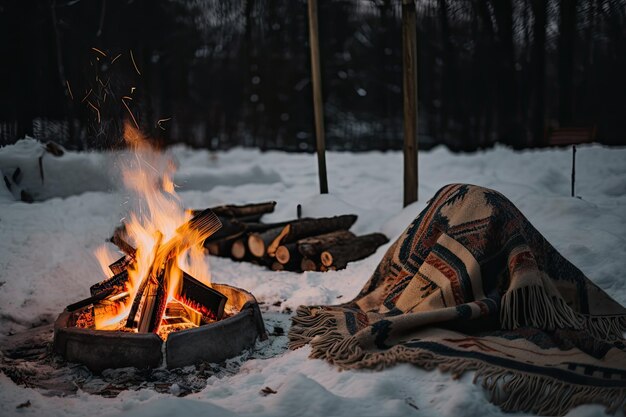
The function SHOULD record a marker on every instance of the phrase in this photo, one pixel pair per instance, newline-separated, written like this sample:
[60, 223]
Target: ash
[27, 359]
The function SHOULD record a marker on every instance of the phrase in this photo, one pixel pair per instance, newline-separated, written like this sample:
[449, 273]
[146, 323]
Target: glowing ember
[165, 241]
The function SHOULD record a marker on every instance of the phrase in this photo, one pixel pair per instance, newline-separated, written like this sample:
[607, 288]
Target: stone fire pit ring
[214, 342]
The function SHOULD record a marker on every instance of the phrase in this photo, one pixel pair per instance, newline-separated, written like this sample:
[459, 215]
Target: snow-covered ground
[46, 262]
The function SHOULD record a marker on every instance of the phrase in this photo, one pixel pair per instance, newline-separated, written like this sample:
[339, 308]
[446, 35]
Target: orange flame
[154, 227]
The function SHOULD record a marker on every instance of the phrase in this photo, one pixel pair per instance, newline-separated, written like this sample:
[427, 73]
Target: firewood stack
[306, 244]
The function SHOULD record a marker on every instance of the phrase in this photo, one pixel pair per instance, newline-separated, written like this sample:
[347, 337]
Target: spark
[85, 98]
[131, 114]
[162, 121]
[95, 108]
[69, 89]
[132, 58]
[128, 98]
[116, 58]
[98, 51]
[132, 89]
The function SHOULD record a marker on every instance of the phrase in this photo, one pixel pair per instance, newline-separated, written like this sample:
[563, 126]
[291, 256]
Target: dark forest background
[217, 74]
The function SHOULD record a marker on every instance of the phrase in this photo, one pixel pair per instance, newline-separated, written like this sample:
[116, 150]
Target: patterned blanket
[471, 285]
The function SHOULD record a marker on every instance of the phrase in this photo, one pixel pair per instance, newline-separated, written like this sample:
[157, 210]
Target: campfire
[161, 286]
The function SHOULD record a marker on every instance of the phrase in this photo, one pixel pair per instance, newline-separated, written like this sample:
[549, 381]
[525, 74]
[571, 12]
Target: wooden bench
[565, 136]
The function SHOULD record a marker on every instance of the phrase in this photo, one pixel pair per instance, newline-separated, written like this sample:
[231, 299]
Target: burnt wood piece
[258, 242]
[132, 320]
[308, 265]
[116, 283]
[202, 298]
[358, 248]
[121, 264]
[120, 239]
[302, 228]
[90, 300]
[154, 303]
[289, 256]
[312, 246]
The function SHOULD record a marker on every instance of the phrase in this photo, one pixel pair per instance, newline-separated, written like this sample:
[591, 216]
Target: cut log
[300, 229]
[238, 249]
[308, 265]
[219, 248]
[358, 248]
[314, 245]
[250, 211]
[230, 229]
[258, 242]
[255, 227]
[289, 256]
[277, 266]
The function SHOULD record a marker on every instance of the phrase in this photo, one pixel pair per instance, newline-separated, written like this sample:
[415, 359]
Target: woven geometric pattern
[472, 285]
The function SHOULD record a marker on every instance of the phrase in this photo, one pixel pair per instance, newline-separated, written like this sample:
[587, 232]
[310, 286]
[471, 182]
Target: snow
[46, 262]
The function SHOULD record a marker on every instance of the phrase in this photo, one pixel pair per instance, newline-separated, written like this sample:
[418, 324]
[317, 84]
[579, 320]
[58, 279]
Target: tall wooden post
[318, 105]
[409, 93]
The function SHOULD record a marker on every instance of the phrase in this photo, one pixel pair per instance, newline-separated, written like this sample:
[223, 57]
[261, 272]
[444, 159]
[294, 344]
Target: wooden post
[409, 92]
[573, 169]
[318, 106]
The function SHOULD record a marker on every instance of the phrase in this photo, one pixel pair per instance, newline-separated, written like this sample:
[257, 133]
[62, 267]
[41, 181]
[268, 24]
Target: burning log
[121, 264]
[116, 284]
[154, 301]
[358, 248]
[151, 297]
[202, 298]
[303, 228]
[312, 246]
[90, 300]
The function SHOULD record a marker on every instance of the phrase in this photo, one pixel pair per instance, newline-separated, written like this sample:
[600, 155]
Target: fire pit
[159, 294]
[213, 342]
